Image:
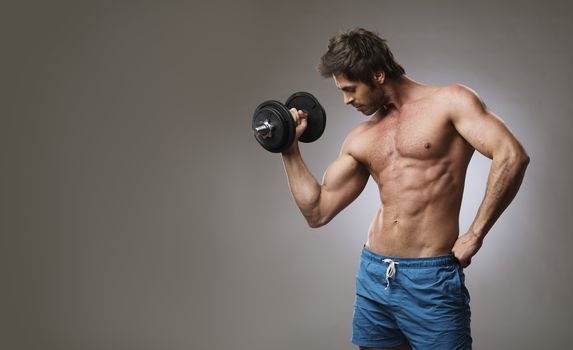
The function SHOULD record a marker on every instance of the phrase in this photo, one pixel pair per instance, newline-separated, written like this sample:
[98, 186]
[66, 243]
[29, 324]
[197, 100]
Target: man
[416, 144]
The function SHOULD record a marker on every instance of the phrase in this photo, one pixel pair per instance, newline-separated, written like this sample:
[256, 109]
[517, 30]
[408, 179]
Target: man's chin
[367, 112]
[362, 111]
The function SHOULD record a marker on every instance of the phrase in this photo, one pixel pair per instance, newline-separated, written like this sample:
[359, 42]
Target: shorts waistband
[444, 260]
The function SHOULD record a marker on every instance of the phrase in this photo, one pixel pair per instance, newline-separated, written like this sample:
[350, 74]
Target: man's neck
[402, 91]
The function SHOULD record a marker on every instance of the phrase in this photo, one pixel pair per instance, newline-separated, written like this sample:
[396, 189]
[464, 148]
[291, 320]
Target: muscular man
[416, 144]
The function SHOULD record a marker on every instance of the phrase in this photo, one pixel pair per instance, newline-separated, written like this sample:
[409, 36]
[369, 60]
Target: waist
[405, 262]
[414, 239]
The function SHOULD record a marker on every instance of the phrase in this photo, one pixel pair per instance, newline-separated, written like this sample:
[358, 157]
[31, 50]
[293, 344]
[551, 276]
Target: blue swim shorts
[422, 301]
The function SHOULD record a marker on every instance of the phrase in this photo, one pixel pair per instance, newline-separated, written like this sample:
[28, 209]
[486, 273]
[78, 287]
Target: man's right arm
[343, 181]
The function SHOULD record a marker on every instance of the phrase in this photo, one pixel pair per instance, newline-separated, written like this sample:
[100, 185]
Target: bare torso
[419, 162]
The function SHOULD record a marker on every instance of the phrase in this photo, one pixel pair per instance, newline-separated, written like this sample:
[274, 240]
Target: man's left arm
[488, 134]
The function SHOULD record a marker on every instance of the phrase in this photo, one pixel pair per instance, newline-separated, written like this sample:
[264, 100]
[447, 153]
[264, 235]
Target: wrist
[292, 150]
[477, 236]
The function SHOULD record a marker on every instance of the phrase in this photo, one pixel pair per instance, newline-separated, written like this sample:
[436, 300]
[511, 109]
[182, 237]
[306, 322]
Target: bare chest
[417, 134]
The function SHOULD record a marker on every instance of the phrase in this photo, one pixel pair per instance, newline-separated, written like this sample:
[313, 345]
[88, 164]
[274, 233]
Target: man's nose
[348, 100]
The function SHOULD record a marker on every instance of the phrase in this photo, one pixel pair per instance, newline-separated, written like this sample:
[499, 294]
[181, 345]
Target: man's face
[361, 96]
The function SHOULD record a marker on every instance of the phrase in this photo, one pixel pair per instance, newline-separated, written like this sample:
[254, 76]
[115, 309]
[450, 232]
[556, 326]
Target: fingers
[299, 116]
[462, 260]
[465, 262]
[303, 119]
[294, 113]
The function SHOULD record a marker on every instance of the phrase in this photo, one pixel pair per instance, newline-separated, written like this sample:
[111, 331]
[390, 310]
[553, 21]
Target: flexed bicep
[343, 181]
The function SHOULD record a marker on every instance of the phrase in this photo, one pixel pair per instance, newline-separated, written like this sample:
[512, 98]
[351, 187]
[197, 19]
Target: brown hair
[358, 54]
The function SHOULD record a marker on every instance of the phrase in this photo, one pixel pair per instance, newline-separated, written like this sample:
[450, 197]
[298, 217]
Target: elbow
[317, 222]
[520, 163]
[315, 215]
[525, 163]
[314, 224]
[523, 160]
[518, 158]
[319, 214]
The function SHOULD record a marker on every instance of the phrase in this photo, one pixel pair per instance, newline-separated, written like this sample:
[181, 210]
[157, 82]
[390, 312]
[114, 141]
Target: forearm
[303, 186]
[504, 180]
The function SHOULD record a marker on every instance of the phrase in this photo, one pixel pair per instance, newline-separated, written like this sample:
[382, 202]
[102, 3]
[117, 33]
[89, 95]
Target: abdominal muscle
[419, 215]
[419, 162]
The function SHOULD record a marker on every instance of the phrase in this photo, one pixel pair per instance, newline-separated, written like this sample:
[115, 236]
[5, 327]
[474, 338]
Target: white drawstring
[390, 271]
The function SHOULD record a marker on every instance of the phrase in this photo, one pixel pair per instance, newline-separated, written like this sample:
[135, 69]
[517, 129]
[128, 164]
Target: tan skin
[416, 145]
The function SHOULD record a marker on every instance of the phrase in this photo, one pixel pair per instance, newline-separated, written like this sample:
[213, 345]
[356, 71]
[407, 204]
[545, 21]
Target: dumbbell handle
[265, 129]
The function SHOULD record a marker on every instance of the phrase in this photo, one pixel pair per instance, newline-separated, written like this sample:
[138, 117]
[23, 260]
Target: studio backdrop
[140, 213]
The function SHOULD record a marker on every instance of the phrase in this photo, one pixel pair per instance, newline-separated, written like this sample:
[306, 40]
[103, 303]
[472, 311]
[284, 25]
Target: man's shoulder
[456, 92]
[455, 98]
[355, 137]
[359, 129]
[463, 100]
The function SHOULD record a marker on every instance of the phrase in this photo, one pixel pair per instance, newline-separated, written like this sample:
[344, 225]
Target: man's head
[358, 55]
[364, 98]
[360, 62]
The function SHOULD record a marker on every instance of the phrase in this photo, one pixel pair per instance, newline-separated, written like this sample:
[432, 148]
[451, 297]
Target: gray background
[139, 212]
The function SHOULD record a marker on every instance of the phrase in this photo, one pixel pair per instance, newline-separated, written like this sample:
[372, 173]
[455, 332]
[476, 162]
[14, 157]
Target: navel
[427, 145]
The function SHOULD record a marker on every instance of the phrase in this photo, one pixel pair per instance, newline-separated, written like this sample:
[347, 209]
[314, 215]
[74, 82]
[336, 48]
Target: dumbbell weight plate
[283, 133]
[316, 114]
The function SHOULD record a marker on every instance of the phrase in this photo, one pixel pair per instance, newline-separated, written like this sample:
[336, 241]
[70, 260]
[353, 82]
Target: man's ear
[379, 77]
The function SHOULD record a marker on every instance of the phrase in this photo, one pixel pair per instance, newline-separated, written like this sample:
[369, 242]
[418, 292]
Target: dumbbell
[274, 126]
